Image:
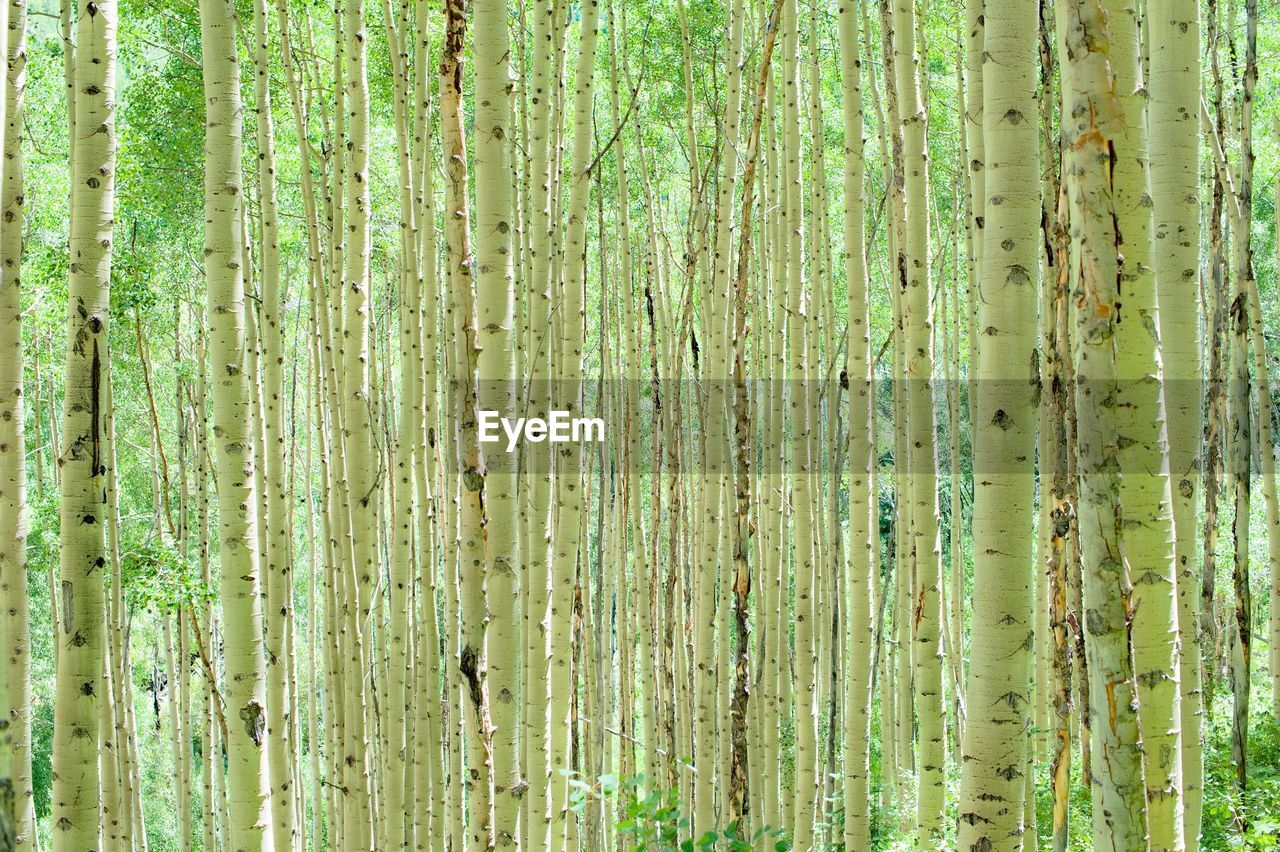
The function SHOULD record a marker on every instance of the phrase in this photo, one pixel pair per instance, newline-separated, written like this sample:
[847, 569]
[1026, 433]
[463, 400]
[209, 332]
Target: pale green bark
[1097, 121]
[802, 404]
[537, 457]
[570, 509]
[863, 509]
[360, 488]
[713, 578]
[80, 684]
[1275, 565]
[244, 692]
[1147, 533]
[496, 368]
[278, 564]
[429, 785]
[1173, 113]
[469, 463]
[994, 764]
[399, 778]
[15, 676]
[912, 266]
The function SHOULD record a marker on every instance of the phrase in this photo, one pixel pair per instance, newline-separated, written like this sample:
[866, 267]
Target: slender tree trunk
[1119, 807]
[912, 270]
[278, 606]
[802, 391]
[496, 338]
[400, 663]
[1275, 567]
[15, 683]
[470, 464]
[360, 453]
[1147, 546]
[80, 684]
[569, 506]
[863, 535]
[1173, 112]
[994, 765]
[537, 457]
[248, 783]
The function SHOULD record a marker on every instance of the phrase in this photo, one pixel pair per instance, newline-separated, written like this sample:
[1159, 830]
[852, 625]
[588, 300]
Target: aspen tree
[495, 336]
[80, 684]
[742, 578]
[912, 266]
[1147, 535]
[801, 403]
[1173, 113]
[121, 771]
[233, 462]
[994, 765]
[1235, 187]
[707, 486]
[1274, 634]
[428, 722]
[15, 682]
[863, 525]
[177, 734]
[203, 617]
[632, 460]
[180, 695]
[361, 470]
[278, 608]
[1062, 521]
[470, 468]
[1047, 447]
[975, 156]
[818, 334]
[896, 694]
[955, 597]
[773, 691]
[537, 459]
[1098, 118]
[563, 551]
[713, 607]
[349, 802]
[1241, 436]
[116, 813]
[904, 565]
[1239, 456]
[1215, 298]
[400, 672]
[316, 825]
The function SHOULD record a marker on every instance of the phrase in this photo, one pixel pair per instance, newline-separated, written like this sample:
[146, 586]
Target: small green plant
[652, 821]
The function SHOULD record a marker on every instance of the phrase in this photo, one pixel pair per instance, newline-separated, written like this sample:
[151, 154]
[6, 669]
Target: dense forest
[639, 424]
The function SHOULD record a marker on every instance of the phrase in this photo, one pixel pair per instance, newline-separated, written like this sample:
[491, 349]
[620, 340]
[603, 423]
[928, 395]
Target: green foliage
[156, 576]
[42, 757]
[652, 819]
[1257, 809]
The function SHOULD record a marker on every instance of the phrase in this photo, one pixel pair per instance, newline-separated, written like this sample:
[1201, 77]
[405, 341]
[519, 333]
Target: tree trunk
[15, 684]
[80, 684]
[994, 765]
[1173, 112]
[248, 783]
[1119, 807]
[863, 535]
